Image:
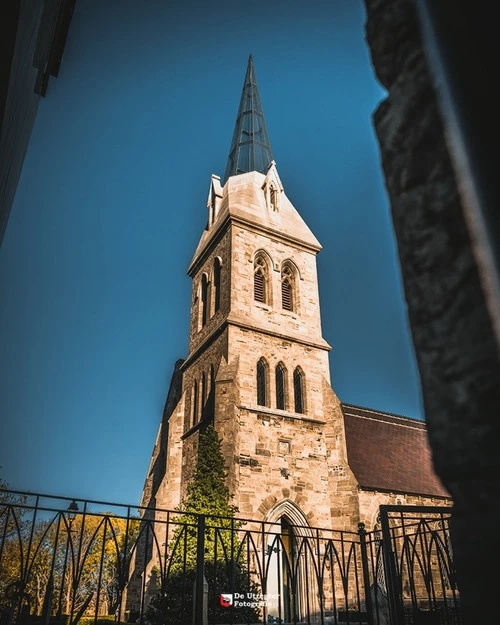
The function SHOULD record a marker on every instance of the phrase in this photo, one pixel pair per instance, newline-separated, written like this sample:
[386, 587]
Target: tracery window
[298, 390]
[262, 394]
[280, 387]
[287, 288]
[260, 277]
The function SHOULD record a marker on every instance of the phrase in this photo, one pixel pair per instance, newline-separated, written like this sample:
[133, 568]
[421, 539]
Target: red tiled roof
[390, 453]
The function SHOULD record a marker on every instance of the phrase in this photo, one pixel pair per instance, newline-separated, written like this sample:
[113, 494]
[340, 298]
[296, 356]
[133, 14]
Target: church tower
[297, 459]
[258, 365]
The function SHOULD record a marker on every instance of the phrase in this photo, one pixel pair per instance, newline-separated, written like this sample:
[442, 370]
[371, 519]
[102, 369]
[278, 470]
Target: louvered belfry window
[280, 387]
[259, 280]
[298, 391]
[287, 288]
[261, 383]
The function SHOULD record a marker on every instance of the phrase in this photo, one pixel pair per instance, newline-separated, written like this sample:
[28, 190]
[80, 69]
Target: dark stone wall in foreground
[453, 337]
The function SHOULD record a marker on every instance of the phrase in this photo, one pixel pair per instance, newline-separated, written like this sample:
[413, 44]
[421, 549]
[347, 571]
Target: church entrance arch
[288, 582]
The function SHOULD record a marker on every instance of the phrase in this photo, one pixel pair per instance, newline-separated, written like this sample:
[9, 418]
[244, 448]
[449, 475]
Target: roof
[244, 202]
[250, 148]
[388, 452]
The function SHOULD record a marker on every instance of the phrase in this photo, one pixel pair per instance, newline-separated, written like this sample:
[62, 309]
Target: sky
[111, 203]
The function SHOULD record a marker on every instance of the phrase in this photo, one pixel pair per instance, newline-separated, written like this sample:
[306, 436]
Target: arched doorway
[288, 583]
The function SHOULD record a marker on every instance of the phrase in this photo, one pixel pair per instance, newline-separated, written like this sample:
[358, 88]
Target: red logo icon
[226, 601]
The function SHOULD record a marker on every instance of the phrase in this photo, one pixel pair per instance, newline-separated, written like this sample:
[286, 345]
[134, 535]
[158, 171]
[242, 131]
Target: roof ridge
[382, 413]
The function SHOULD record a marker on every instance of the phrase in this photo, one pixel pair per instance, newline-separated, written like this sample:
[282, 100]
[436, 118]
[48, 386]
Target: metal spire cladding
[250, 147]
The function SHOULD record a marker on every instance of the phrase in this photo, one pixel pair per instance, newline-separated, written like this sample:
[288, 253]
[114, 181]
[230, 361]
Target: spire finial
[250, 147]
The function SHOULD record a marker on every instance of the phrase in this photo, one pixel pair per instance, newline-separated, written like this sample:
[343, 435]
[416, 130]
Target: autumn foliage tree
[65, 564]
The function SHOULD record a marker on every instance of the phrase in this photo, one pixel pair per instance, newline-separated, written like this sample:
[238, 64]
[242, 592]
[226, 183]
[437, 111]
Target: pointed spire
[250, 148]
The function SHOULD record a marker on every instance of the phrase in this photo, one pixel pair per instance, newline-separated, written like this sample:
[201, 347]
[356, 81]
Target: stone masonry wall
[251, 346]
[220, 248]
[305, 321]
[272, 455]
[455, 345]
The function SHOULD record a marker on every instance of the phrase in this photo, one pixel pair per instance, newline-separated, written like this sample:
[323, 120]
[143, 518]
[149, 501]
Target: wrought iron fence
[67, 561]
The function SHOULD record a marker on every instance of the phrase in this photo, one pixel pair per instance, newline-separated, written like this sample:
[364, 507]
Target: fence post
[366, 571]
[391, 573]
[47, 601]
[200, 595]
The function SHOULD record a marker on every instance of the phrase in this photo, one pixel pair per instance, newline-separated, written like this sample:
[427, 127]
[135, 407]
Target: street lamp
[71, 513]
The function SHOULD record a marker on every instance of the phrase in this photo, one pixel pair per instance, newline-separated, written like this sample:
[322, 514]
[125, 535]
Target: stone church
[258, 368]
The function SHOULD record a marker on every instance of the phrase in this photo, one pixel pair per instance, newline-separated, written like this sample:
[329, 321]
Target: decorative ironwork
[62, 560]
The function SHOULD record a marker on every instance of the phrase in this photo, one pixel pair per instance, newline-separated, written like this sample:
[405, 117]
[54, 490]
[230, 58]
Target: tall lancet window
[262, 383]
[195, 404]
[287, 288]
[204, 299]
[260, 291]
[298, 390]
[203, 392]
[217, 272]
[280, 387]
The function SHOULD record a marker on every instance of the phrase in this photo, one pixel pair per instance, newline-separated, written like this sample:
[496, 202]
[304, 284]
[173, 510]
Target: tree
[224, 563]
[67, 564]
[13, 524]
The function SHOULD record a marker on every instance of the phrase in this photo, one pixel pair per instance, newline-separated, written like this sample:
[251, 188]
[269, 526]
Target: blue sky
[94, 296]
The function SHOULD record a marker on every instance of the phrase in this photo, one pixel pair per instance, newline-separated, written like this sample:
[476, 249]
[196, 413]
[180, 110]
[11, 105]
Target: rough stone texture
[452, 334]
[279, 463]
[267, 451]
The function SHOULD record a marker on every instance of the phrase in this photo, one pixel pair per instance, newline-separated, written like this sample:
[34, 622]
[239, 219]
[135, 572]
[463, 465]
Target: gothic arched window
[203, 392]
[280, 387]
[298, 390]
[262, 393]
[210, 405]
[260, 278]
[204, 300]
[212, 379]
[195, 404]
[287, 288]
[217, 271]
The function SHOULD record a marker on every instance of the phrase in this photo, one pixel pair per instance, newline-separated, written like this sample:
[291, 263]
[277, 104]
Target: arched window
[298, 390]
[204, 299]
[212, 379]
[280, 387]
[210, 404]
[203, 392]
[217, 268]
[260, 276]
[194, 403]
[262, 398]
[287, 288]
